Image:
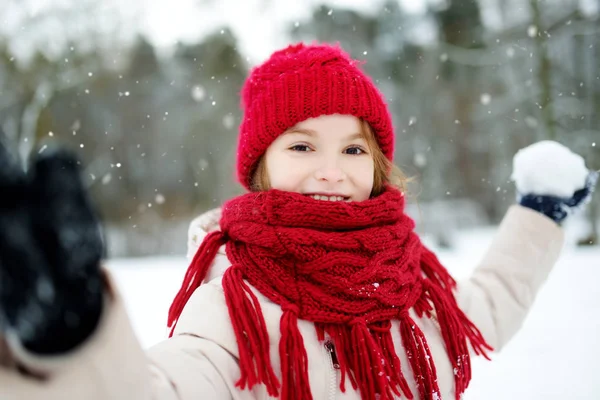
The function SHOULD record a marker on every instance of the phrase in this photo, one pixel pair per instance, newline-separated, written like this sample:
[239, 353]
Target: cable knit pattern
[301, 82]
[348, 267]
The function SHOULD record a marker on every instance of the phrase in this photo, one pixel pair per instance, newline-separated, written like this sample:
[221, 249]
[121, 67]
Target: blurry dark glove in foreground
[51, 286]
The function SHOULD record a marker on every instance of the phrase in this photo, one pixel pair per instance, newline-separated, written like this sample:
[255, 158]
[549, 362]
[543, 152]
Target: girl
[313, 285]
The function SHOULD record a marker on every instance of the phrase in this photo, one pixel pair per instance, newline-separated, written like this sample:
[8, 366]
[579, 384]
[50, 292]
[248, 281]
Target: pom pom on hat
[301, 82]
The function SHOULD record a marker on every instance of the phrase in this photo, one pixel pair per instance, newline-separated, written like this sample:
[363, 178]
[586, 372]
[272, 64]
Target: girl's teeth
[327, 198]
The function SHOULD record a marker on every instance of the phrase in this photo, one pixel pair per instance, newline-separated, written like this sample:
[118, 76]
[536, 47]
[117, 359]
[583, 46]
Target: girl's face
[325, 157]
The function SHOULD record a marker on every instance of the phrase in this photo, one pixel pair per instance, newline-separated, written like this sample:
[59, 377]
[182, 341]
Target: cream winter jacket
[200, 361]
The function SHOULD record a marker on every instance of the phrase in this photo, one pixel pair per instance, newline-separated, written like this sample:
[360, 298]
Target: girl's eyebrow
[303, 131]
[310, 132]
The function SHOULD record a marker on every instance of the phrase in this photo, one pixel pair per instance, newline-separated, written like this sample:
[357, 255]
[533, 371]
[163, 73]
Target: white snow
[548, 168]
[554, 356]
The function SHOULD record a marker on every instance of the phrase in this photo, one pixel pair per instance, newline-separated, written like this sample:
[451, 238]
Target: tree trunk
[544, 73]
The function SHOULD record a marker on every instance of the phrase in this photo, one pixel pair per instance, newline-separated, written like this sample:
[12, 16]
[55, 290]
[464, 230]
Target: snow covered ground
[554, 356]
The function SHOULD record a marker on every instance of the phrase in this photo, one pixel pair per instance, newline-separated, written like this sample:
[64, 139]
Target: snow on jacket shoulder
[200, 361]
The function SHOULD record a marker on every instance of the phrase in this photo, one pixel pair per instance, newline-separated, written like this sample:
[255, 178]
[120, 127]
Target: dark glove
[51, 286]
[559, 208]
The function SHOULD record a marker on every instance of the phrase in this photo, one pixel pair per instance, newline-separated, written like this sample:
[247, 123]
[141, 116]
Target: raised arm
[552, 183]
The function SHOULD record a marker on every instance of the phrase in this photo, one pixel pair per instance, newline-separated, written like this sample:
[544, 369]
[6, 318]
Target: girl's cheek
[286, 177]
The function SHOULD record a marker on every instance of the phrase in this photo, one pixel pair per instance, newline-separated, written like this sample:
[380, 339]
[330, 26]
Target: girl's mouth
[324, 197]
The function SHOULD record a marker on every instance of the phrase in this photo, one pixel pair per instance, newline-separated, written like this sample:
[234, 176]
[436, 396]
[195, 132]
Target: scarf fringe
[294, 359]
[371, 381]
[435, 271]
[383, 336]
[367, 358]
[456, 329]
[251, 333]
[196, 273]
[419, 356]
[455, 326]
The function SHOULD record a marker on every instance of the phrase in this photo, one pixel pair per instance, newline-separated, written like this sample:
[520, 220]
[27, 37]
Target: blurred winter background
[146, 91]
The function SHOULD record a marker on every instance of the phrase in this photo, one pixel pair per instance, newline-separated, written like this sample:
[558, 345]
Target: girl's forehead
[337, 122]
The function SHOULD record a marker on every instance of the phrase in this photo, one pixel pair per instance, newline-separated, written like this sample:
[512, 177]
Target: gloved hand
[51, 286]
[552, 180]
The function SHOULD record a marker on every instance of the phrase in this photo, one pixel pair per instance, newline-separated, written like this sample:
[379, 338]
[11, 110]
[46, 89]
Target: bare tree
[64, 51]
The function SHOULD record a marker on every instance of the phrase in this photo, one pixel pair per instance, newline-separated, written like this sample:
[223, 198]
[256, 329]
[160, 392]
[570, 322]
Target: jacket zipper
[335, 365]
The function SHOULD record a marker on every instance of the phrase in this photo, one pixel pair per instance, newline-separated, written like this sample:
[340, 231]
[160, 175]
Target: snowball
[548, 168]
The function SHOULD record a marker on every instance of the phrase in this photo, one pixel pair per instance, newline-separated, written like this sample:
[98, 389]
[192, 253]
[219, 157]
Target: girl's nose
[330, 174]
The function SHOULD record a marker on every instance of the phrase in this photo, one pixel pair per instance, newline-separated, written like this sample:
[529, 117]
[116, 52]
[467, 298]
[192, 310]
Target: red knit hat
[302, 82]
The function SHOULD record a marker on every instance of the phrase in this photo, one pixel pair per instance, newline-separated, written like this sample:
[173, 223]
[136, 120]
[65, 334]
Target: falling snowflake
[420, 160]
[198, 93]
[228, 121]
[532, 31]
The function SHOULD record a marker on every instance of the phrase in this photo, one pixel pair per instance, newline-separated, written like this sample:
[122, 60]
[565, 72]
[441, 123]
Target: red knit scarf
[349, 267]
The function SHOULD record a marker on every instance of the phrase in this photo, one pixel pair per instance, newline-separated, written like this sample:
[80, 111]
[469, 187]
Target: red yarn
[348, 267]
[195, 275]
[420, 358]
[251, 333]
[301, 82]
[294, 360]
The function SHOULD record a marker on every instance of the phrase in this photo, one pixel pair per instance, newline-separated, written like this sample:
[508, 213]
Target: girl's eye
[300, 147]
[355, 150]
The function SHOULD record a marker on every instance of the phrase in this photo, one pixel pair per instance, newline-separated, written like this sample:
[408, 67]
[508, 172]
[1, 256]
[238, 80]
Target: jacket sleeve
[498, 295]
[112, 365]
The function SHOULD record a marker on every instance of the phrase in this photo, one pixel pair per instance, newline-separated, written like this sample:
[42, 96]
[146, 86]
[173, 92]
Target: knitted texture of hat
[302, 82]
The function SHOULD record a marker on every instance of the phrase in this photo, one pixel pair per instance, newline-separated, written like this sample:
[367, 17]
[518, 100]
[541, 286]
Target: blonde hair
[385, 172]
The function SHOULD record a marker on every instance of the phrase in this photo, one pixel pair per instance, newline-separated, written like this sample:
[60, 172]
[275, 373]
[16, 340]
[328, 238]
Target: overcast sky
[258, 24]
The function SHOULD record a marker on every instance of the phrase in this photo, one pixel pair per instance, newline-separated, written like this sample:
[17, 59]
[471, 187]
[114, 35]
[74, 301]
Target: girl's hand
[51, 286]
[552, 180]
